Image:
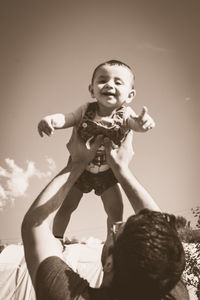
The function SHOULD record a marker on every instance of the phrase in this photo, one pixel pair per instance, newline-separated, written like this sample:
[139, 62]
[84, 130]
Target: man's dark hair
[111, 62]
[148, 257]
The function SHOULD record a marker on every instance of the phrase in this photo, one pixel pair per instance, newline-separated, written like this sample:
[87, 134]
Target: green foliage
[191, 274]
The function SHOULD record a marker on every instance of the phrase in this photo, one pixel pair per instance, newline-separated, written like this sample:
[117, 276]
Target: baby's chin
[109, 102]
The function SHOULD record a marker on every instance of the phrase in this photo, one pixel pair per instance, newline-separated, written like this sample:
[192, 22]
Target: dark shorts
[99, 182]
[55, 280]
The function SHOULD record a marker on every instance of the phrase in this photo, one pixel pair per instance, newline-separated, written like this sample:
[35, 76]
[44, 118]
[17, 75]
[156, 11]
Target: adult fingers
[126, 145]
[107, 143]
[88, 146]
[126, 148]
[128, 140]
[97, 143]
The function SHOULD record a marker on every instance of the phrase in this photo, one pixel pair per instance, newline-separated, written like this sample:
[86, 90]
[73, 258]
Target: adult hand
[120, 156]
[78, 150]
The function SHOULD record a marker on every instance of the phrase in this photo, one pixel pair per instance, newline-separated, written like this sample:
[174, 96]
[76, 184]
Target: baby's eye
[118, 82]
[102, 81]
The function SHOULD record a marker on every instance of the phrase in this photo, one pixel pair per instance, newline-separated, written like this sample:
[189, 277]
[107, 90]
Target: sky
[49, 50]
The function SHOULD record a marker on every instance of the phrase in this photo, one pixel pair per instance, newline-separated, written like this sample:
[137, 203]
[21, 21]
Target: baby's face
[112, 86]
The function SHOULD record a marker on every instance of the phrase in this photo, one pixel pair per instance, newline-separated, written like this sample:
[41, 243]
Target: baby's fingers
[49, 129]
[46, 128]
[149, 124]
[40, 129]
[143, 115]
[40, 132]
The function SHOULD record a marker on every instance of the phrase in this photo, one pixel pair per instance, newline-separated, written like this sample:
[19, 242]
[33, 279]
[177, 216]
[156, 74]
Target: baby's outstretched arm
[51, 122]
[56, 121]
[60, 121]
[141, 123]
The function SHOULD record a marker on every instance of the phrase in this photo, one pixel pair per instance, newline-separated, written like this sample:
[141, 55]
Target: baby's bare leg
[63, 215]
[113, 205]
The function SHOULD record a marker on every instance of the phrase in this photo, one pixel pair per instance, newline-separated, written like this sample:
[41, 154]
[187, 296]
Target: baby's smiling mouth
[108, 93]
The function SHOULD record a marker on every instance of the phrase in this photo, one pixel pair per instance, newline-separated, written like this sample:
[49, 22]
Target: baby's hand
[143, 122]
[45, 126]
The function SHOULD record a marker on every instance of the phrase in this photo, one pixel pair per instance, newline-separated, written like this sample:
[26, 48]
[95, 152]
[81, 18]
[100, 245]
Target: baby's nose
[110, 84]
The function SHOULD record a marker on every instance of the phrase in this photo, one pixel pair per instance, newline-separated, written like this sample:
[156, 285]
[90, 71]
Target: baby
[112, 87]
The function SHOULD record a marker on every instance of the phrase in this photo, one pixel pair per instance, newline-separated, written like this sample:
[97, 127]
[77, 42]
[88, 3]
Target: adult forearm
[138, 196]
[52, 196]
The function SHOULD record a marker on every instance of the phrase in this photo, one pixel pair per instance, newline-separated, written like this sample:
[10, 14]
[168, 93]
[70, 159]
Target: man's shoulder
[56, 279]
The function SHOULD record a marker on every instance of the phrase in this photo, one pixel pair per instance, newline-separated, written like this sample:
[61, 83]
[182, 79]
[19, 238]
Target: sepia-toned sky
[48, 52]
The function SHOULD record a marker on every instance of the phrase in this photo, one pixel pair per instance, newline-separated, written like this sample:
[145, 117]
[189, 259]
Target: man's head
[148, 257]
[112, 84]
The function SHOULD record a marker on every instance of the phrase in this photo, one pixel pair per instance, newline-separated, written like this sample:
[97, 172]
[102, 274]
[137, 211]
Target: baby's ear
[90, 88]
[131, 96]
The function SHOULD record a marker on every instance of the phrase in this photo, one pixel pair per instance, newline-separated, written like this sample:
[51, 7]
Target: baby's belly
[97, 169]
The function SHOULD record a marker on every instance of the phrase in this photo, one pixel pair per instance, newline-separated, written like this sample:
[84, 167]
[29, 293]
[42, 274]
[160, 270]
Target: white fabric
[86, 261]
[15, 283]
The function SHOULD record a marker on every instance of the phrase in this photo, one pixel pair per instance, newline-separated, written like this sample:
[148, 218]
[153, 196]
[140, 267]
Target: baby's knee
[115, 212]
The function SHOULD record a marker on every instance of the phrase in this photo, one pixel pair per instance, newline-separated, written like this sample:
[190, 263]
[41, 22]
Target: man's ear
[108, 266]
[90, 88]
[131, 96]
[108, 271]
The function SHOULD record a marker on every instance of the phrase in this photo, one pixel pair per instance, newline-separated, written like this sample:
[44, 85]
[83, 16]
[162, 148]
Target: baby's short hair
[112, 62]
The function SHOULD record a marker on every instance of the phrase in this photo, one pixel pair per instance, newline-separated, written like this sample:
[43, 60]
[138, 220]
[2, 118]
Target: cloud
[2, 197]
[14, 181]
[52, 164]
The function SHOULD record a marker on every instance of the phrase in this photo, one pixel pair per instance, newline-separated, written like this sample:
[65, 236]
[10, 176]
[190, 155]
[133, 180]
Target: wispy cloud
[14, 181]
[151, 47]
[51, 163]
